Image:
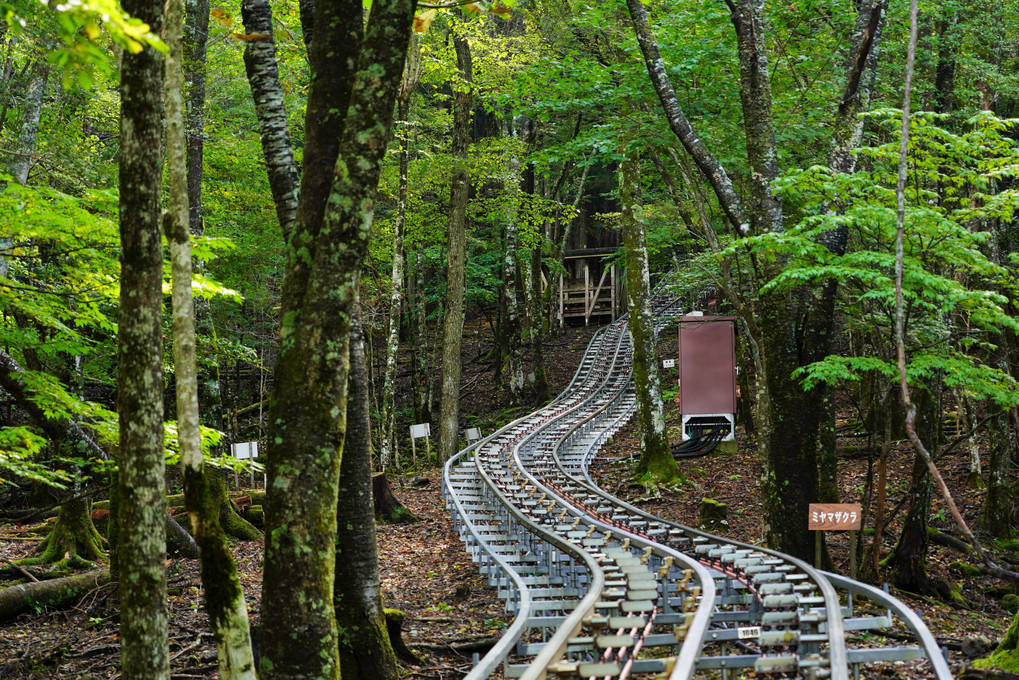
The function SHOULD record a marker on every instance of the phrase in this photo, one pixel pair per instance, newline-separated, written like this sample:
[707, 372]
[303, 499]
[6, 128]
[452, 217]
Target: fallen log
[464, 648]
[21, 598]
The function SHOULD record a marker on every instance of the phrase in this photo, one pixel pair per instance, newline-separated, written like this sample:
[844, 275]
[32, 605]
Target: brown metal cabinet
[707, 374]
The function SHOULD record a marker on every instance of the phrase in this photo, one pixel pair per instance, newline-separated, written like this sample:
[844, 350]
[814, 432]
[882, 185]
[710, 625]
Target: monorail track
[601, 589]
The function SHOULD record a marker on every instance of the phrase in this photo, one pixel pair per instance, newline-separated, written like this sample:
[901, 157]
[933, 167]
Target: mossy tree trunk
[456, 272]
[656, 461]
[365, 651]
[529, 262]
[347, 126]
[224, 597]
[74, 537]
[141, 534]
[24, 597]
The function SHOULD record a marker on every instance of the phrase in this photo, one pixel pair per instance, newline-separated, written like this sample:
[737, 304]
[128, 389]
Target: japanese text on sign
[834, 517]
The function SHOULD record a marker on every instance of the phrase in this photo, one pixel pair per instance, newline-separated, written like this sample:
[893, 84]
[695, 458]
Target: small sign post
[835, 517]
[668, 363]
[417, 432]
[473, 434]
[244, 451]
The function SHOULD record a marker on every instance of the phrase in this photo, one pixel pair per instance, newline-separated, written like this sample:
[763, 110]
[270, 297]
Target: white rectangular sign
[473, 434]
[668, 363]
[748, 632]
[420, 430]
[245, 450]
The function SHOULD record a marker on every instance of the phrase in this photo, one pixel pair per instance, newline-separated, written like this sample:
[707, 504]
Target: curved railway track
[601, 589]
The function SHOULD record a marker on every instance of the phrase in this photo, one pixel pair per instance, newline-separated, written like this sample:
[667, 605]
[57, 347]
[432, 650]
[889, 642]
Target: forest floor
[450, 610]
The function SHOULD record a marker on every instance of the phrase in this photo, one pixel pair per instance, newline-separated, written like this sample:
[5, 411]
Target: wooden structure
[593, 288]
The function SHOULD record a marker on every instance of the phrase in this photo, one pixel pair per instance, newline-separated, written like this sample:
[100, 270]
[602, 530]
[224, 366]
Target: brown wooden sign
[834, 517]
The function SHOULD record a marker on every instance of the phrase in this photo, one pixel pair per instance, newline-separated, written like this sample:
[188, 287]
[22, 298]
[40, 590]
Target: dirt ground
[426, 572]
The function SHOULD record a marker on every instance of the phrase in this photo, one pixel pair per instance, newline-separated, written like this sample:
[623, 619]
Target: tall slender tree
[141, 534]
[224, 596]
[456, 272]
[411, 70]
[656, 460]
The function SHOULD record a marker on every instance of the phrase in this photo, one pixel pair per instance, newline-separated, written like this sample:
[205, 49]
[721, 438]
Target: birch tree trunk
[30, 121]
[510, 334]
[263, 77]
[365, 650]
[656, 461]
[407, 86]
[224, 597]
[26, 145]
[307, 407]
[453, 318]
[141, 535]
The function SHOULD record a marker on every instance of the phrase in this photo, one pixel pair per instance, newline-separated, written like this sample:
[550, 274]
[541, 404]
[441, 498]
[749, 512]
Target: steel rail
[532, 474]
[498, 653]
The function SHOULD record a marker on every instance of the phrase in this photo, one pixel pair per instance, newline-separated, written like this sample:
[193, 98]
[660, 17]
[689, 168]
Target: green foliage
[19, 449]
[84, 32]
[957, 298]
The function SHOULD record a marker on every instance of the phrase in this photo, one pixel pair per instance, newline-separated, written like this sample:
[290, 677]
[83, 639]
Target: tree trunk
[30, 121]
[509, 336]
[365, 652]
[224, 597]
[307, 408]
[908, 561]
[453, 318]
[140, 524]
[26, 144]
[656, 461]
[944, 72]
[421, 381]
[388, 427]
[530, 274]
[387, 506]
[196, 38]
[74, 536]
[967, 420]
[997, 515]
[263, 76]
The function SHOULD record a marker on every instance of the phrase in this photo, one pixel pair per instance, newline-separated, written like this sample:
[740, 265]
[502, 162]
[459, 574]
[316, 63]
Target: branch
[705, 160]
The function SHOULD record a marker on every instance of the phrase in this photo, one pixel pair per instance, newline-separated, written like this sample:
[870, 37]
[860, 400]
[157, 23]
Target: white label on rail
[747, 632]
